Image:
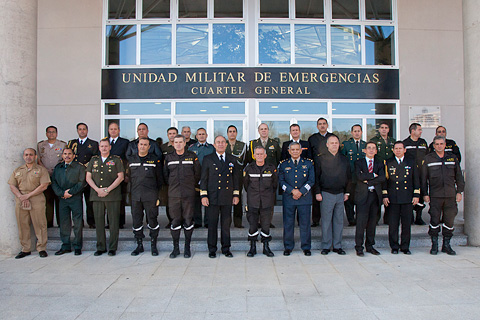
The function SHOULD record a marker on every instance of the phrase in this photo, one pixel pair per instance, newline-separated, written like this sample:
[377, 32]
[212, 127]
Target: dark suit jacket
[306, 154]
[361, 171]
[403, 181]
[220, 181]
[84, 152]
[120, 148]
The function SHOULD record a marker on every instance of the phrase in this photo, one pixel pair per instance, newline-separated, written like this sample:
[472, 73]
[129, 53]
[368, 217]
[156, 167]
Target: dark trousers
[265, 216]
[197, 212]
[225, 213]
[304, 215]
[151, 212]
[350, 208]
[447, 206]
[113, 213]
[399, 213]
[51, 206]
[71, 209]
[316, 213]
[181, 211]
[90, 215]
[366, 221]
[238, 212]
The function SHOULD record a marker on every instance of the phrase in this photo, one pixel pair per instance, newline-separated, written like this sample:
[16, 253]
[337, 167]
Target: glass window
[309, 9]
[274, 43]
[127, 127]
[156, 9]
[210, 108]
[345, 9]
[228, 43]
[374, 124]
[343, 127]
[137, 108]
[363, 108]
[279, 130]
[346, 45]
[378, 9]
[292, 108]
[192, 44]
[157, 128]
[156, 44]
[121, 45]
[228, 9]
[121, 9]
[307, 128]
[194, 125]
[220, 128]
[274, 8]
[192, 8]
[310, 44]
[380, 45]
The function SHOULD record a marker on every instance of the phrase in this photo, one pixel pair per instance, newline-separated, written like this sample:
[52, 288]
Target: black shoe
[228, 254]
[271, 225]
[78, 252]
[99, 252]
[307, 252]
[212, 255]
[196, 225]
[43, 254]
[360, 253]
[111, 253]
[315, 224]
[22, 255]
[62, 251]
[206, 225]
[287, 252]
[325, 251]
[406, 251]
[340, 251]
[394, 251]
[420, 222]
[373, 251]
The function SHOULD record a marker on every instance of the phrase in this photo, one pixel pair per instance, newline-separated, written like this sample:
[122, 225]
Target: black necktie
[81, 142]
[295, 162]
[221, 157]
[113, 142]
[358, 146]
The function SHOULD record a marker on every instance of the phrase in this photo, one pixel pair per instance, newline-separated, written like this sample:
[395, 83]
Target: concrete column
[18, 103]
[471, 46]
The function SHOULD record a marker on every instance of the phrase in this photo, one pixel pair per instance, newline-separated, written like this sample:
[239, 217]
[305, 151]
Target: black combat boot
[154, 246]
[253, 248]
[139, 248]
[434, 249]
[446, 246]
[266, 250]
[176, 240]
[188, 239]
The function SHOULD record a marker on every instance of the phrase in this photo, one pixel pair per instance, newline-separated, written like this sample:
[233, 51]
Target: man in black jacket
[370, 175]
[401, 192]
[219, 190]
[295, 134]
[145, 180]
[142, 132]
[182, 173]
[451, 145]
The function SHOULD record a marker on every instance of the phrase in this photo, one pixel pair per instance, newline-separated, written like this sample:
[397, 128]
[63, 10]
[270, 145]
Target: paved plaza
[388, 286]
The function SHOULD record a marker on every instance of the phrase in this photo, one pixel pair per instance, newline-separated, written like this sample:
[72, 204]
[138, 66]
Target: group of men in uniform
[317, 178]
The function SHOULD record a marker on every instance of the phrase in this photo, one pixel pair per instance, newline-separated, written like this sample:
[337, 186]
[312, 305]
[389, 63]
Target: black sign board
[203, 83]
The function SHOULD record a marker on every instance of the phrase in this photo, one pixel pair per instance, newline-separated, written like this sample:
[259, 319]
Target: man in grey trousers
[333, 188]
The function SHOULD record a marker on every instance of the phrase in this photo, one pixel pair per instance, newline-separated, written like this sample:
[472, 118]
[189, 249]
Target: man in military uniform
[201, 149]
[182, 173]
[416, 148]
[142, 132]
[353, 149]
[68, 181]
[187, 133]
[451, 145]
[219, 190]
[238, 150]
[104, 175]
[146, 178]
[295, 134]
[49, 155]
[318, 146]
[443, 184]
[384, 144]
[119, 148]
[401, 192]
[334, 177]
[260, 181]
[370, 174]
[84, 148]
[296, 179]
[27, 183]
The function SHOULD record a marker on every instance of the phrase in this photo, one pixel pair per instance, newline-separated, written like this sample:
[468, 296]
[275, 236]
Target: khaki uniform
[104, 174]
[50, 157]
[26, 181]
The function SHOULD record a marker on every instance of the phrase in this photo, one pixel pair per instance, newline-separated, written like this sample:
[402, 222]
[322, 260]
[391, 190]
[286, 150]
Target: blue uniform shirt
[301, 177]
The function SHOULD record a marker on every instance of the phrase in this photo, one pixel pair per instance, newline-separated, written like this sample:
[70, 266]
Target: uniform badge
[42, 150]
[110, 163]
[17, 174]
[230, 164]
[95, 164]
[304, 167]
[271, 147]
[288, 168]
